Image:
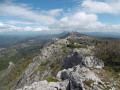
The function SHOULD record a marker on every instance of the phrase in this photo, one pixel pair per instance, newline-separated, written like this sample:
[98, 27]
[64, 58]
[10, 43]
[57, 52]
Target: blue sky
[109, 18]
[60, 15]
[49, 4]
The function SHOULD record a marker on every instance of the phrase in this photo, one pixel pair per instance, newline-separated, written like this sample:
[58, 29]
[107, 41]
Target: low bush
[51, 79]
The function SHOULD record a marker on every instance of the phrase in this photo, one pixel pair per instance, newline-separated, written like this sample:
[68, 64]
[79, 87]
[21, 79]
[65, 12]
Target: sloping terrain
[74, 61]
[68, 63]
[20, 55]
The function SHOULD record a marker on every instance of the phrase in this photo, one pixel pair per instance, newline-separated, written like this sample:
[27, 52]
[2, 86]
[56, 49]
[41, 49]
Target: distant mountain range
[104, 34]
[48, 33]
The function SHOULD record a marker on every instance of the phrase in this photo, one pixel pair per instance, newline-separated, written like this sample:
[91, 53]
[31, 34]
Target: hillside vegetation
[21, 55]
[109, 52]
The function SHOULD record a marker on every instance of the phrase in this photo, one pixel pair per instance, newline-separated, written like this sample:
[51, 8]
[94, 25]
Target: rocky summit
[66, 63]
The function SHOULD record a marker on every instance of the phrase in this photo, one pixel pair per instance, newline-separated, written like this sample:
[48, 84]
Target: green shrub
[51, 79]
[108, 88]
[109, 52]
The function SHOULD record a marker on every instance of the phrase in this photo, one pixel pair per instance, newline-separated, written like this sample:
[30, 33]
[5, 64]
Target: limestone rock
[91, 61]
[75, 70]
[77, 75]
[44, 85]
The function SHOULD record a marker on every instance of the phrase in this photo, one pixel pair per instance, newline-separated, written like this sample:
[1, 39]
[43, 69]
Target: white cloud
[94, 6]
[28, 28]
[79, 21]
[11, 28]
[54, 13]
[114, 28]
[83, 22]
[41, 29]
[25, 12]
[84, 19]
[5, 27]
[1, 24]
[21, 22]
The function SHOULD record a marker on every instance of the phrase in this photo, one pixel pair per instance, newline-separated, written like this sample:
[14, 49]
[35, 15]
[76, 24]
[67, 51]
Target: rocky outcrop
[25, 78]
[44, 85]
[78, 76]
[6, 72]
[75, 78]
[91, 61]
[78, 56]
[47, 54]
[74, 66]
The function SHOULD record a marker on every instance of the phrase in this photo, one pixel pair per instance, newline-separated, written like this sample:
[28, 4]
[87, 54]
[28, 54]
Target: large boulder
[91, 61]
[73, 59]
[78, 76]
[78, 57]
[44, 85]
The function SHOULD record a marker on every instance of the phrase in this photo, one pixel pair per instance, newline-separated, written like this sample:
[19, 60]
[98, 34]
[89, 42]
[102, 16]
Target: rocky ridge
[70, 60]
